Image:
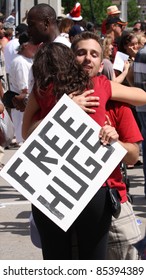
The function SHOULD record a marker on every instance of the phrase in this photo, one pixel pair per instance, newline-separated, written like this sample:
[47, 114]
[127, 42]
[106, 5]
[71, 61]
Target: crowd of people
[50, 56]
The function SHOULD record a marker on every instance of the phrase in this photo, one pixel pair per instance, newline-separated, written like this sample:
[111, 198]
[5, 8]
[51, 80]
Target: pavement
[15, 242]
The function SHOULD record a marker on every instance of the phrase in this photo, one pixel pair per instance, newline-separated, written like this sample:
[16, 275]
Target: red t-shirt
[121, 116]
[102, 88]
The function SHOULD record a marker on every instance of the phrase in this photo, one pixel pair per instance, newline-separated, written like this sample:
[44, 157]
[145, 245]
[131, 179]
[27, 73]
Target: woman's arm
[85, 101]
[31, 109]
[131, 95]
[120, 78]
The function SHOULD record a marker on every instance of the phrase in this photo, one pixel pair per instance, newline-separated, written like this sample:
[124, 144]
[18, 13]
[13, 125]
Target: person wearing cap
[75, 15]
[19, 78]
[114, 29]
[76, 29]
[112, 11]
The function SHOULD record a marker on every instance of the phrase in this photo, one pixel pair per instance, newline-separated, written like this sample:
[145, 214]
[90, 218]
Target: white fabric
[10, 52]
[18, 78]
[63, 40]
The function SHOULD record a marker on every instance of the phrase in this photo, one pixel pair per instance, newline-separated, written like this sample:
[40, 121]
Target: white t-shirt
[10, 52]
[19, 73]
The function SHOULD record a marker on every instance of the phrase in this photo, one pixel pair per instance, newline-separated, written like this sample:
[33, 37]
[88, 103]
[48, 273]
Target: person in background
[112, 11]
[10, 51]
[76, 29]
[108, 69]
[129, 45]
[64, 27]
[75, 15]
[2, 33]
[44, 15]
[3, 88]
[19, 79]
[1, 111]
[141, 39]
[114, 29]
[2, 18]
[11, 17]
[8, 34]
[137, 27]
[139, 71]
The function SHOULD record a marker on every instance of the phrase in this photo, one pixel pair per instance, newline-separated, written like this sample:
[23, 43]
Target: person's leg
[142, 119]
[17, 118]
[92, 227]
[56, 244]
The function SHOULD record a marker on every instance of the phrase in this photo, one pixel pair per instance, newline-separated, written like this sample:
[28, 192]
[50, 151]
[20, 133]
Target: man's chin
[88, 71]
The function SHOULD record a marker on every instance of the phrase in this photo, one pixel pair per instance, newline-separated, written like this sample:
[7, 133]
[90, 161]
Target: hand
[20, 101]
[85, 100]
[108, 133]
[126, 66]
[132, 52]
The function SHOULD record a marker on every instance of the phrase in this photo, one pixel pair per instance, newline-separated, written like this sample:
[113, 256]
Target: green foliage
[92, 10]
[95, 10]
[133, 12]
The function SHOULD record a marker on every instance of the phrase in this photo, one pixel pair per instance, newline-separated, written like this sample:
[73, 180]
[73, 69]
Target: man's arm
[132, 155]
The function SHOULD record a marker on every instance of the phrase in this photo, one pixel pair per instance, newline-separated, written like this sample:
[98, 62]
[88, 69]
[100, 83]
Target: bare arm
[120, 78]
[31, 109]
[132, 152]
[131, 95]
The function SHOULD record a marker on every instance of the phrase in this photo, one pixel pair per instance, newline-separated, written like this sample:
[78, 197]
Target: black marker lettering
[90, 161]
[52, 206]
[52, 142]
[20, 179]
[40, 158]
[67, 125]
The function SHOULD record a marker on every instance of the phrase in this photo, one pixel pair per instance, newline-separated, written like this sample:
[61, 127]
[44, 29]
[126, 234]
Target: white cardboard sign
[62, 164]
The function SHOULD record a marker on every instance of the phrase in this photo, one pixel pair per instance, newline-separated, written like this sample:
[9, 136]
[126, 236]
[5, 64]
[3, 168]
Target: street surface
[15, 242]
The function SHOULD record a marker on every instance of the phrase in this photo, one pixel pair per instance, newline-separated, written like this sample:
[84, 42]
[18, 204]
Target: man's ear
[101, 67]
[47, 21]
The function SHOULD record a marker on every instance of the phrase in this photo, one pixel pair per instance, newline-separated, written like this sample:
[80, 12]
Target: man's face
[89, 53]
[117, 28]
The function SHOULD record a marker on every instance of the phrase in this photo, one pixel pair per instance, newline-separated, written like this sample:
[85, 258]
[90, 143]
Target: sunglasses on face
[136, 29]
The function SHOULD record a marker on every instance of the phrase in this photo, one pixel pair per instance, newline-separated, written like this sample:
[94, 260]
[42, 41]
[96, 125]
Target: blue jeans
[142, 119]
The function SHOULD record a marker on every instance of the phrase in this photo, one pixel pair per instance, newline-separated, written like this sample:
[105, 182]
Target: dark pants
[89, 232]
